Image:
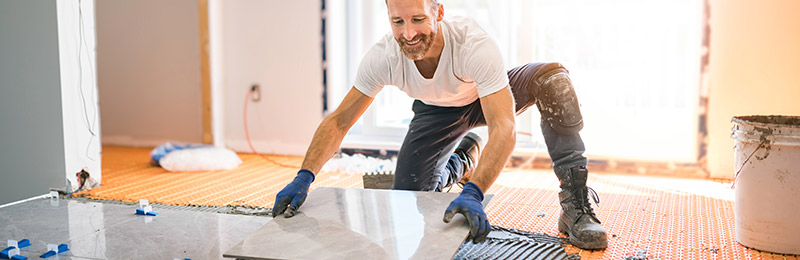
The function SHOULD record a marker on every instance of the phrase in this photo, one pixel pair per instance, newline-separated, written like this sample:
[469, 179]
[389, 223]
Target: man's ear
[440, 15]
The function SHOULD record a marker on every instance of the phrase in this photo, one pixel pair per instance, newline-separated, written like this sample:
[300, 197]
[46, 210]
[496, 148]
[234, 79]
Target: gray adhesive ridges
[509, 243]
[378, 180]
[234, 210]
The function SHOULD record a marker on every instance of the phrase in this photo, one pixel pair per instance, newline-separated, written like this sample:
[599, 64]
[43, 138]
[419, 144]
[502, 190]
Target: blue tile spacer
[19, 257]
[48, 254]
[149, 213]
[24, 243]
[4, 253]
[61, 249]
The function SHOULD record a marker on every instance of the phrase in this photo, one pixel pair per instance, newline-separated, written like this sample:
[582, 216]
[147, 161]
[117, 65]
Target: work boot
[469, 150]
[577, 218]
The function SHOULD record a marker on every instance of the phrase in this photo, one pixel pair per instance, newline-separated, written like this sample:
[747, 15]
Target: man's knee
[556, 99]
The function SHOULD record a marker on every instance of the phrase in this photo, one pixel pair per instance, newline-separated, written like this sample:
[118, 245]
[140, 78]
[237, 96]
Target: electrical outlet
[256, 95]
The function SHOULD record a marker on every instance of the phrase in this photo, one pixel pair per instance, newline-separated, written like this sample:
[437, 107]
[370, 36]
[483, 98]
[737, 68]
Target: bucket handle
[763, 142]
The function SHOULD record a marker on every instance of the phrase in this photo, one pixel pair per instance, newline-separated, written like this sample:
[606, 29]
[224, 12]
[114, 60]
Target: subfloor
[646, 217]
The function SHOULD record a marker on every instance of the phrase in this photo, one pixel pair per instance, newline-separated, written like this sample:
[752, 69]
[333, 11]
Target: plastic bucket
[767, 165]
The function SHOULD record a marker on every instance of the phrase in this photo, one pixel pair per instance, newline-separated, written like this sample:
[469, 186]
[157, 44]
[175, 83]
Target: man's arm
[498, 109]
[333, 128]
[327, 138]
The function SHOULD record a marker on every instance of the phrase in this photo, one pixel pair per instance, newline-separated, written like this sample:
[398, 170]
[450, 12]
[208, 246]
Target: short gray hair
[434, 5]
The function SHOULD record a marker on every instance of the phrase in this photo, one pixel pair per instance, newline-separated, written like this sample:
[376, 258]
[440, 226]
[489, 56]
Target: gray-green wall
[31, 128]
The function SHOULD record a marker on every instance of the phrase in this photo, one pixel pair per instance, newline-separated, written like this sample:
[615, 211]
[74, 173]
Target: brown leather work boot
[577, 219]
[469, 150]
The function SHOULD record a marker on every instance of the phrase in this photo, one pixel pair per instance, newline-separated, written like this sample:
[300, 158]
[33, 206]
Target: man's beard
[418, 51]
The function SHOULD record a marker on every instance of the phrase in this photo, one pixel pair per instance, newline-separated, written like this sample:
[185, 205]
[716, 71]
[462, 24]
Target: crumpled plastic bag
[162, 150]
[182, 157]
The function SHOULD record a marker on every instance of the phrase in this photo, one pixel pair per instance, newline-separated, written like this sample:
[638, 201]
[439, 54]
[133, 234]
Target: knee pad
[556, 99]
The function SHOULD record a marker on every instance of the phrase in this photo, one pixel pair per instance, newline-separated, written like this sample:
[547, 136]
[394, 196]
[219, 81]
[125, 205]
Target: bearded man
[455, 73]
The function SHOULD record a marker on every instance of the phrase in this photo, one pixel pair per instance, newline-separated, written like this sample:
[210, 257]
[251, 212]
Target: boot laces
[581, 199]
[468, 163]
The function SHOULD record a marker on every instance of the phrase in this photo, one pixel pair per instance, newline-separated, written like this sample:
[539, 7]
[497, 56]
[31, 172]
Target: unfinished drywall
[45, 136]
[754, 65]
[276, 44]
[148, 55]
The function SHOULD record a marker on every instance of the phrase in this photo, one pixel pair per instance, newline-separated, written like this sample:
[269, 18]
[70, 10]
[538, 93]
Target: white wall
[43, 137]
[276, 44]
[215, 53]
[149, 71]
[754, 65]
[78, 60]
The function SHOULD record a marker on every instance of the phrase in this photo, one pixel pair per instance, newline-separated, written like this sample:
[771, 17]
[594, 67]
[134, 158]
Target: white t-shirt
[470, 67]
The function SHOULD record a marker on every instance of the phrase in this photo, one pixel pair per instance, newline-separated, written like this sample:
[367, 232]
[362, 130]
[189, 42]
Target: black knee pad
[556, 99]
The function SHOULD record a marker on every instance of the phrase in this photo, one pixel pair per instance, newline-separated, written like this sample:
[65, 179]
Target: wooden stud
[205, 68]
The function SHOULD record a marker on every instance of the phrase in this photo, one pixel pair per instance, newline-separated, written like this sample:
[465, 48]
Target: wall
[79, 95]
[276, 44]
[215, 53]
[44, 137]
[149, 71]
[754, 65]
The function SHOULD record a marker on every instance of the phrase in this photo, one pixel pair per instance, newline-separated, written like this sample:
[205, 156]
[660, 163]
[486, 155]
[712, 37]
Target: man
[455, 73]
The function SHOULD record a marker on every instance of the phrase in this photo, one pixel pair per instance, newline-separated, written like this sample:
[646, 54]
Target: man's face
[413, 25]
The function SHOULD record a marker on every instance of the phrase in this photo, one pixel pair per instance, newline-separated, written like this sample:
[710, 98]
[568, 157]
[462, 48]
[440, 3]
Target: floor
[347, 223]
[646, 217]
[96, 230]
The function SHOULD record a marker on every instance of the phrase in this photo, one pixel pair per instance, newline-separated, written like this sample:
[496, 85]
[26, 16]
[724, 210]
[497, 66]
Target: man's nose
[409, 33]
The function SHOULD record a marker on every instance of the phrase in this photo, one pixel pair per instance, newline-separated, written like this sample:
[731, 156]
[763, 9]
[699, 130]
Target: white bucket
[767, 164]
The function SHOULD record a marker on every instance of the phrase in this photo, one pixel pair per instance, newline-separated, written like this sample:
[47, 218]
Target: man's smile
[414, 43]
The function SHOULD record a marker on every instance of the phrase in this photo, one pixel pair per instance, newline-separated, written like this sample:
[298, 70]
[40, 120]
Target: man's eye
[398, 22]
[419, 20]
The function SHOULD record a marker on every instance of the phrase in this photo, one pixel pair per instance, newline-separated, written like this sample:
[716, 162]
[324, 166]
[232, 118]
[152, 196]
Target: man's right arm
[370, 78]
[326, 140]
[333, 128]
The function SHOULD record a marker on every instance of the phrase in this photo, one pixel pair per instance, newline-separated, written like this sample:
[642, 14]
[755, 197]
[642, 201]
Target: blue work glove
[293, 195]
[469, 205]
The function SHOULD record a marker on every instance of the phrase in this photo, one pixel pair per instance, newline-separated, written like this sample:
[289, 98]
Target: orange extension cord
[247, 134]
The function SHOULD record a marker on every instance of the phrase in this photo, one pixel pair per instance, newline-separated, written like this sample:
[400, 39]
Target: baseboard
[130, 141]
[267, 147]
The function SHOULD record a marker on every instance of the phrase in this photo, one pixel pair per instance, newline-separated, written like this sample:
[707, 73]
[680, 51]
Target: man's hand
[469, 205]
[293, 195]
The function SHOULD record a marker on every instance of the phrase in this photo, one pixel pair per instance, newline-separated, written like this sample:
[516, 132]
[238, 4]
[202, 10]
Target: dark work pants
[426, 160]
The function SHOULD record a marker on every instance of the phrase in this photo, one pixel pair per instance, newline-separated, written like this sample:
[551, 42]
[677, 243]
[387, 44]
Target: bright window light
[635, 66]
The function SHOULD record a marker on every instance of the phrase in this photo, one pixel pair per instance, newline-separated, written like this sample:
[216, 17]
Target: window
[635, 66]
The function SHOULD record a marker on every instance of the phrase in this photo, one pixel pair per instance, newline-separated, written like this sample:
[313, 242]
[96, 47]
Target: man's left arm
[498, 109]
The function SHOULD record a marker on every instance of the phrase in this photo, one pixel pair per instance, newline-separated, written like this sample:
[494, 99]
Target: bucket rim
[751, 119]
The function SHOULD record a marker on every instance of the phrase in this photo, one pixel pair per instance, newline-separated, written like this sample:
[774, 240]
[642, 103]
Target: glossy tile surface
[110, 231]
[171, 234]
[337, 223]
[43, 221]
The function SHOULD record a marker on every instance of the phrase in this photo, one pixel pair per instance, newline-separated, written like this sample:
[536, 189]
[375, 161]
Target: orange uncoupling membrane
[128, 176]
[644, 219]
